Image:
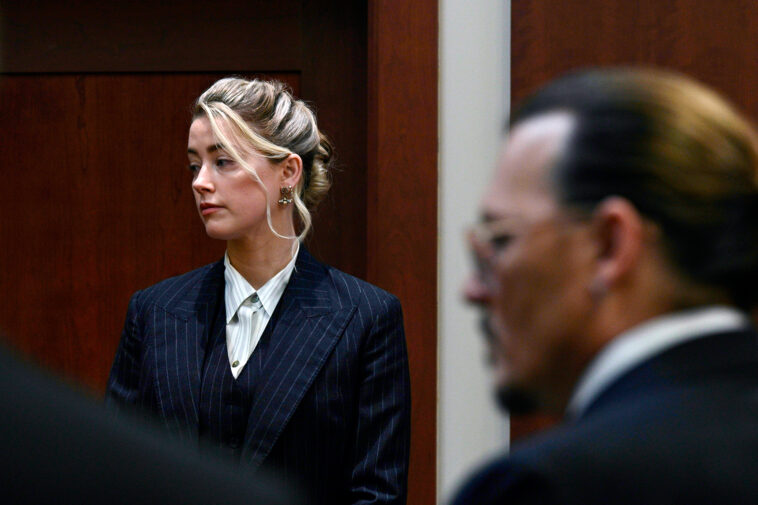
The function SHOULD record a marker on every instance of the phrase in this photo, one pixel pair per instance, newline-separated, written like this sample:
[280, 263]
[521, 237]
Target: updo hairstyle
[256, 116]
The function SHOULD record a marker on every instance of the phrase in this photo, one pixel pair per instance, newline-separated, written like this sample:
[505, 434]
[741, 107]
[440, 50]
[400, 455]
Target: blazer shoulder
[168, 291]
[342, 287]
[358, 291]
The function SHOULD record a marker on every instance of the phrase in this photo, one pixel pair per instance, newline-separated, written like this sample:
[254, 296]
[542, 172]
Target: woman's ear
[292, 170]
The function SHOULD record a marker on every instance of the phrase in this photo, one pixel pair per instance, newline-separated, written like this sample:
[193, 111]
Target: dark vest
[225, 402]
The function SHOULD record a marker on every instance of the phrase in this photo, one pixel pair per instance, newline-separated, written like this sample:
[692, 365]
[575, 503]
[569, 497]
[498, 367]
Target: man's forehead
[521, 182]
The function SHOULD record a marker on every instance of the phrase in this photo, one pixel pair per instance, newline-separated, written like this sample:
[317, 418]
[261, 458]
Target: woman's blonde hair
[257, 116]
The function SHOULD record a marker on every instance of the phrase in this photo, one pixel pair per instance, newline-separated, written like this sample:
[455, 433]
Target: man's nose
[475, 290]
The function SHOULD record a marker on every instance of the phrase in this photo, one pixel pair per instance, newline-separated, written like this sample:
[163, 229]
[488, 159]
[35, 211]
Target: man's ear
[619, 230]
[292, 170]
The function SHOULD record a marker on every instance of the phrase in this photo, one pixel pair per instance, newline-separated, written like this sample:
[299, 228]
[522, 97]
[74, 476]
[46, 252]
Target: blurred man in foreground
[59, 446]
[617, 253]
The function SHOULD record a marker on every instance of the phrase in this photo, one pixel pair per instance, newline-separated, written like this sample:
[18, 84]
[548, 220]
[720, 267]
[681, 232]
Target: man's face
[534, 265]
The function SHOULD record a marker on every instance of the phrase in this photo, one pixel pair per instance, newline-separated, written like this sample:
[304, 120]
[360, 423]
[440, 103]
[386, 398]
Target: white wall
[474, 90]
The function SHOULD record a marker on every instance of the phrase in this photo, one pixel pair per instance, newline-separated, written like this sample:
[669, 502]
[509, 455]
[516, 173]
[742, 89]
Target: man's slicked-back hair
[680, 153]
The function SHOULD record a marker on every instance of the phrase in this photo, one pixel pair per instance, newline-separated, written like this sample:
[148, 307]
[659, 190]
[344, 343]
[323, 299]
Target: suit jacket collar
[307, 324]
[643, 341]
[201, 291]
[304, 328]
[718, 355]
[196, 293]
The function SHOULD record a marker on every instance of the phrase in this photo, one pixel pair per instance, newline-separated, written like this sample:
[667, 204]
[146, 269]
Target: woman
[274, 357]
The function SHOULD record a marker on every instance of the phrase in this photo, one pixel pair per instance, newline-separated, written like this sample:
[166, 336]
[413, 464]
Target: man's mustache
[485, 326]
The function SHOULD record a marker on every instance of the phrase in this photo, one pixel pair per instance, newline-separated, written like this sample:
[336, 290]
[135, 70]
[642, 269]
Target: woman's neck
[259, 260]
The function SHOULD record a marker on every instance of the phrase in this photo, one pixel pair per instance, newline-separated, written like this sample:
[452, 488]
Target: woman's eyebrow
[213, 148]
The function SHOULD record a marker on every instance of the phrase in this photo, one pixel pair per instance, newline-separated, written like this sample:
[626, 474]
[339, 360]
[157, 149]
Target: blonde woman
[277, 359]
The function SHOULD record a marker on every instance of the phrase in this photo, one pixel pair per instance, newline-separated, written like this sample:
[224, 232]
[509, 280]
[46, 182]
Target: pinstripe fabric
[331, 403]
[225, 402]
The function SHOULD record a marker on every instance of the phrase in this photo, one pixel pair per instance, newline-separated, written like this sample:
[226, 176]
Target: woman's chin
[218, 234]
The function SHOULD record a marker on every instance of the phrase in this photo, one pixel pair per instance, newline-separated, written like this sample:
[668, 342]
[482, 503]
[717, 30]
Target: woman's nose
[202, 182]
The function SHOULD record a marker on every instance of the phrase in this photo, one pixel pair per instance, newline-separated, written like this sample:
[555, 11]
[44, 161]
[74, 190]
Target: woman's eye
[194, 168]
[223, 163]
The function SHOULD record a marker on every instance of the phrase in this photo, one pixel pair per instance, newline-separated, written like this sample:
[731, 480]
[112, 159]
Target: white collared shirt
[646, 340]
[248, 311]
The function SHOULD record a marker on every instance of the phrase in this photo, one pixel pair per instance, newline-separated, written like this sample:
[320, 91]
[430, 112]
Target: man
[617, 254]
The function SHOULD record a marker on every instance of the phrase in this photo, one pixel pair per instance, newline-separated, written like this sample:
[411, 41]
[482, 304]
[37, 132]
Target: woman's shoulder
[345, 285]
[206, 279]
[373, 307]
[360, 292]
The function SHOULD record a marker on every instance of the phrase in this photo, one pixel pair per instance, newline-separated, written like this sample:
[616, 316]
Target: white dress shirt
[646, 340]
[248, 311]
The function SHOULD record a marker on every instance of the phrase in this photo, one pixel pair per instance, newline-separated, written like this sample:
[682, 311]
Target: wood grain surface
[402, 200]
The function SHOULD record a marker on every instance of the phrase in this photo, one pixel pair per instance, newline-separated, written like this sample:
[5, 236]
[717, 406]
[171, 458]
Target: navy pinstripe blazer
[331, 409]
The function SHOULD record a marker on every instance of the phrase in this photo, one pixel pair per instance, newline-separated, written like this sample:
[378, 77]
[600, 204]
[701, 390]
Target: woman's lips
[208, 208]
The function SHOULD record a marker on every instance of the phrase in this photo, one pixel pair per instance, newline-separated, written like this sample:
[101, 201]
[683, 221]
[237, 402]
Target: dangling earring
[286, 193]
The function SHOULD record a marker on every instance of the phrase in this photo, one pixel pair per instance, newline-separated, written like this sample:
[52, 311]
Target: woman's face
[230, 202]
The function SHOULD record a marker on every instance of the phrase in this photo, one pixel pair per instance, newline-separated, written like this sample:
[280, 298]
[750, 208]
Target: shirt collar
[644, 341]
[237, 289]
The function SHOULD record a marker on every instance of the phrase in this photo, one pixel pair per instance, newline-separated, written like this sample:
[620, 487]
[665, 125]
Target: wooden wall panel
[711, 41]
[402, 200]
[324, 42]
[151, 36]
[333, 79]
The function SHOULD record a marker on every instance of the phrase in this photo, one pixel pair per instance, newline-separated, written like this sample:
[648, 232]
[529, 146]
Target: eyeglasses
[488, 239]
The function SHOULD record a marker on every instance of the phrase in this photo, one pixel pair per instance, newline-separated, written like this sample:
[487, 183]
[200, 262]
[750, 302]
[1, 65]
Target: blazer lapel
[305, 331]
[190, 314]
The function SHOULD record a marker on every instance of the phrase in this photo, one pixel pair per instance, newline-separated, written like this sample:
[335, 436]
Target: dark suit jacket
[332, 409]
[58, 446]
[682, 428]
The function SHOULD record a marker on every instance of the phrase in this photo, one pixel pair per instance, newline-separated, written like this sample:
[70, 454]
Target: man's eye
[500, 240]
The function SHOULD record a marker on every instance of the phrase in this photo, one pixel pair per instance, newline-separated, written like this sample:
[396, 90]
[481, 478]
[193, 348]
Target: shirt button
[236, 363]
[254, 298]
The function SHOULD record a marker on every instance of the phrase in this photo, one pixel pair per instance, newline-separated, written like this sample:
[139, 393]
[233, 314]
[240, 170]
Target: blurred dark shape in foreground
[58, 446]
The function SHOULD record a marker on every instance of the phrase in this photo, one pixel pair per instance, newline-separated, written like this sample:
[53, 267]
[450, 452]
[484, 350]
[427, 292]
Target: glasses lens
[481, 251]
